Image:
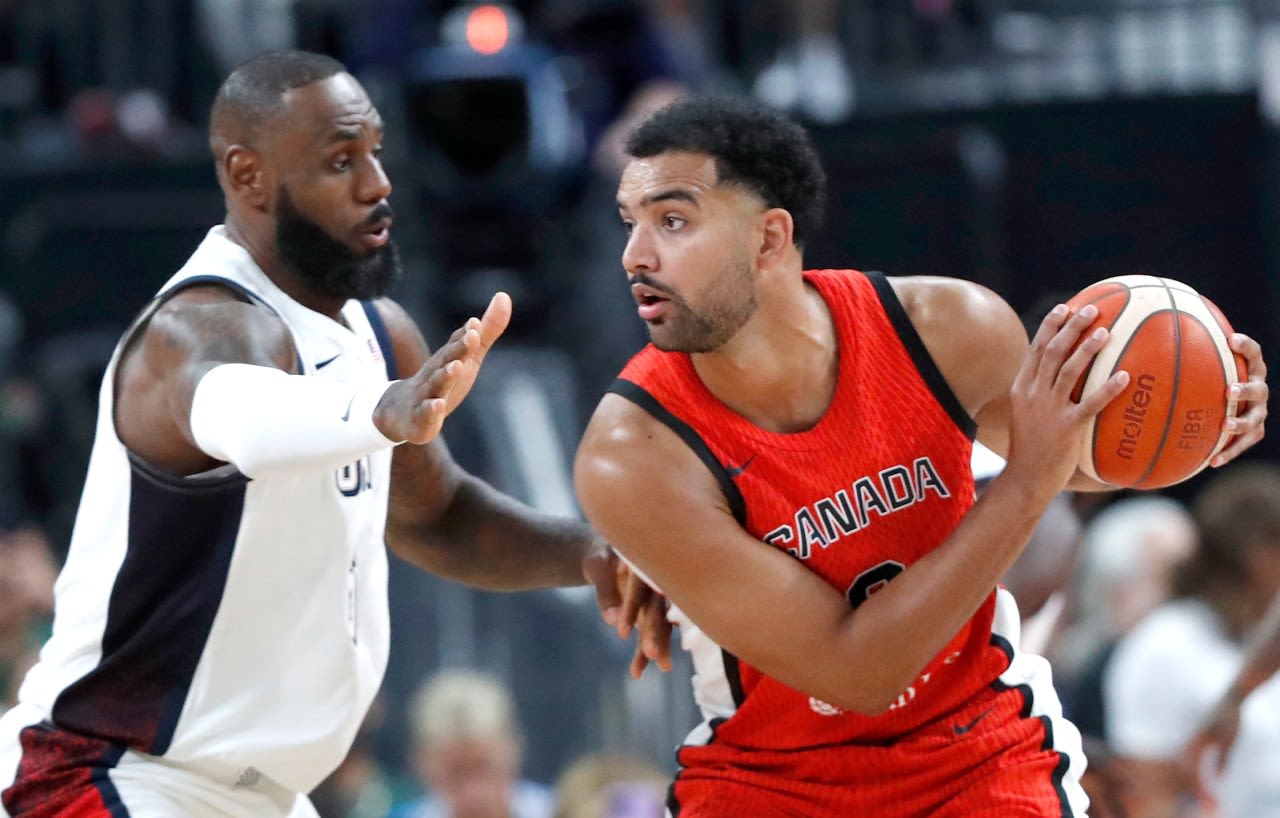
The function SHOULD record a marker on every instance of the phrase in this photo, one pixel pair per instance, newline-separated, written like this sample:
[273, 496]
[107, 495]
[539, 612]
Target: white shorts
[99, 780]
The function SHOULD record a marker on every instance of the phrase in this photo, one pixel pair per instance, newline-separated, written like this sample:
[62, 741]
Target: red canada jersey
[881, 480]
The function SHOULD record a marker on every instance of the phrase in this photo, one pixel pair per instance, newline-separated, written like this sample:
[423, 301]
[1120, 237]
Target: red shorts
[997, 756]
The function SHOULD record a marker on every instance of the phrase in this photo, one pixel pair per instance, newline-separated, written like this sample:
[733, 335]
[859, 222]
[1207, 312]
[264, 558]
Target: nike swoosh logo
[734, 471]
[347, 414]
[961, 729]
[328, 361]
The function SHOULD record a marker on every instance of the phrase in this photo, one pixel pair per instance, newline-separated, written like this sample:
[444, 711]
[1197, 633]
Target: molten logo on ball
[1134, 414]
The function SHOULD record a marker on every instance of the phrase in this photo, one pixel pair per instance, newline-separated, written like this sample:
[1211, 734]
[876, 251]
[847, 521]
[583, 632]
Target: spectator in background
[27, 574]
[1209, 749]
[1037, 577]
[1169, 671]
[611, 785]
[360, 787]
[1132, 549]
[236, 30]
[469, 752]
[10, 334]
[810, 74]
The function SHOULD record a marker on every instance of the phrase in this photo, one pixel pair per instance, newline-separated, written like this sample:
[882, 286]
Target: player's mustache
[380, 212]
[641, 278]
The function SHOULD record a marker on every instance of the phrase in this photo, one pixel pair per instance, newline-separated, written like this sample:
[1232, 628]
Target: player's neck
[780, 370]
[264, 254]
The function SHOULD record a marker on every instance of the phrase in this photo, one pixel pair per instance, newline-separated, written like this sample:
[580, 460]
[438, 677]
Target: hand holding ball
[1171, 418]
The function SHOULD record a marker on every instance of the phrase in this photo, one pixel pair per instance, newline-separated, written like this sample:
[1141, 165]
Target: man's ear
[776, 237]
[246, 176]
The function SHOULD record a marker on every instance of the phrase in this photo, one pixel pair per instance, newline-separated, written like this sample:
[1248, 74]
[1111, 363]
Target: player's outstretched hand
[1247, 427]
[414, 409]
[628, 603]
[1047, 425]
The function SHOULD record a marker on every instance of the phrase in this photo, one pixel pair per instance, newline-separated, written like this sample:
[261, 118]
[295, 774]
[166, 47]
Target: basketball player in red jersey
[788, 462]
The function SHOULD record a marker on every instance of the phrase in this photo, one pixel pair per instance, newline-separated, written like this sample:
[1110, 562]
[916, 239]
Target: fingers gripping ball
[1171, 419]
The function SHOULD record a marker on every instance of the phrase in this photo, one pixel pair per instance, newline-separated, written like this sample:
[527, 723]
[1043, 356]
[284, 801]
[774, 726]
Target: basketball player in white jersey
[266, 424]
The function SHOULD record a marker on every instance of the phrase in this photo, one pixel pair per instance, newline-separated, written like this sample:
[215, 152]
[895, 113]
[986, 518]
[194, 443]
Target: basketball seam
[1177, 386]
[1093, 428]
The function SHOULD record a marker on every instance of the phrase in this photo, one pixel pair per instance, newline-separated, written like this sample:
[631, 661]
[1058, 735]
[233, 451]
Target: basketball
[1171, 418]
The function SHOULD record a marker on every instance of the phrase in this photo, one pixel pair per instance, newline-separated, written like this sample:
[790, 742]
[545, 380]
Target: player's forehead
[329, 109]
[651, 178]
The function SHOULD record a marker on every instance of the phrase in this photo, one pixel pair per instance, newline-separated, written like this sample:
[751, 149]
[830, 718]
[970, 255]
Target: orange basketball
[1170, 420]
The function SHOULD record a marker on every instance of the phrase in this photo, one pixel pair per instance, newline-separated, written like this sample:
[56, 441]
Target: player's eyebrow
[671, 195]
[344, 135]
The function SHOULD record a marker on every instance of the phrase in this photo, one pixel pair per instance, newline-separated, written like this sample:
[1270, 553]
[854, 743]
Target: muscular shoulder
[972, 334]
[625, 451]
[211, 323]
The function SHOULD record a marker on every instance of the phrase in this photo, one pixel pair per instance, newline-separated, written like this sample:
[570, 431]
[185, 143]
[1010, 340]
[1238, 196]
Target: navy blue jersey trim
[160, 613]
[641, 397]
[235, 286]
[244, 292]
[380, 332]
[205, 481]
[920, 355]
[246, 295]
[101, 778]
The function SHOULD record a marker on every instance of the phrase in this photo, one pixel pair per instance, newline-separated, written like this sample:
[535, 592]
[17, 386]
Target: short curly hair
[754, 147]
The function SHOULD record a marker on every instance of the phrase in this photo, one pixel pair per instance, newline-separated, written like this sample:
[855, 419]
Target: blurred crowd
[1158, 596]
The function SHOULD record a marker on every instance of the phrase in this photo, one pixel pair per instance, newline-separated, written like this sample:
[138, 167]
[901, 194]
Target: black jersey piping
[920, 355]
[641, 397]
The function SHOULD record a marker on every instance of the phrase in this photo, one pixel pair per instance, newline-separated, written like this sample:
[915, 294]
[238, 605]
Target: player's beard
[329, 266]
[708, 327]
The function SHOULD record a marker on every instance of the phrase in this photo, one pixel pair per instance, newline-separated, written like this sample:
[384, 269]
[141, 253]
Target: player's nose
[375, 185]
[639, 255]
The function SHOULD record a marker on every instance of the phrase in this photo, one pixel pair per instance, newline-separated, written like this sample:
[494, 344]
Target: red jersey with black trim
[881, 480]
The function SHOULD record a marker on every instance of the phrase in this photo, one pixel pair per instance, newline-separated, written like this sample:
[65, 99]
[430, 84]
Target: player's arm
[655, 501]
[451, 523]
[212, 379]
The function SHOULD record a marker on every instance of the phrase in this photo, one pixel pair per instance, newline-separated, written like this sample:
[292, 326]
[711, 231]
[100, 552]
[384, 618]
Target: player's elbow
[862, 695]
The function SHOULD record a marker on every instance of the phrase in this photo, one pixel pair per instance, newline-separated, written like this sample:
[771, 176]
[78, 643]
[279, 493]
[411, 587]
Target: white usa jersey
[235, 627]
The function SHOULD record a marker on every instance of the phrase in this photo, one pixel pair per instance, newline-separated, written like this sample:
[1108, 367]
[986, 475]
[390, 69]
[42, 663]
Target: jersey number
[872, 580]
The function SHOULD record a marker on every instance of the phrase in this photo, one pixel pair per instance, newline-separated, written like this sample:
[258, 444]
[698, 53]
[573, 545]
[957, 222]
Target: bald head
[255, 91]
